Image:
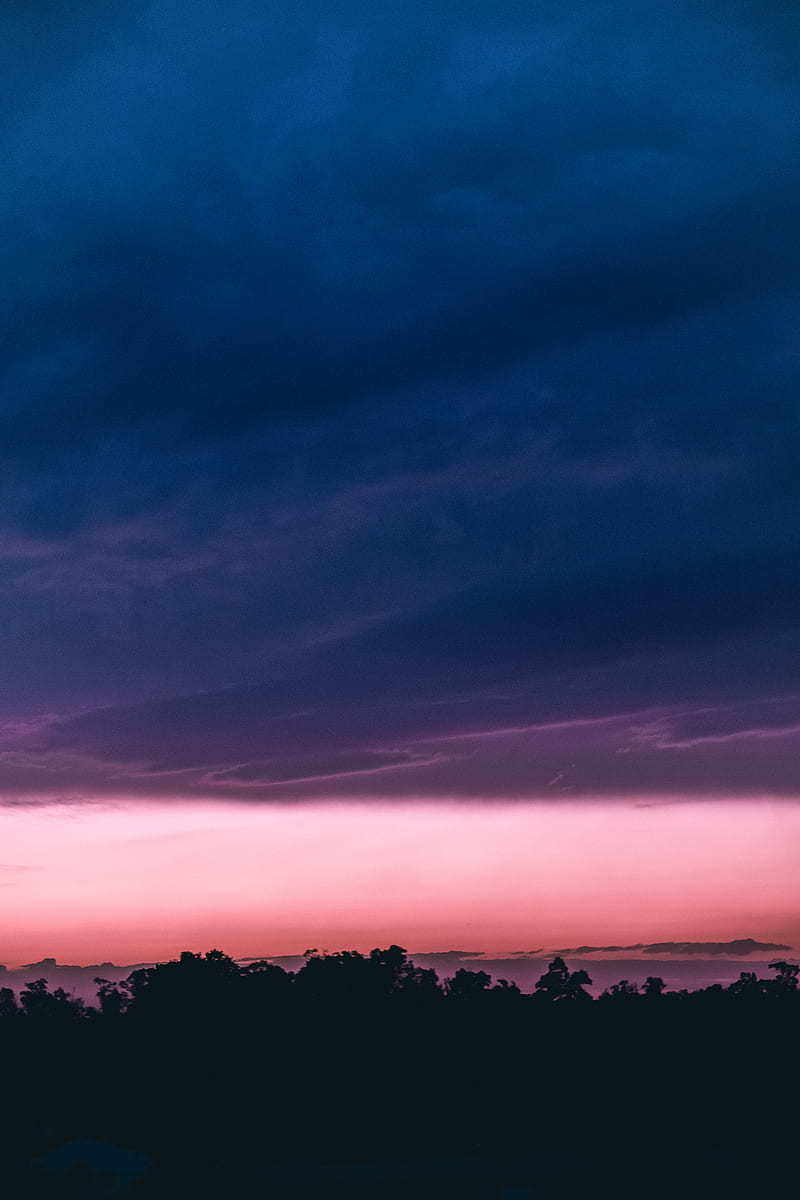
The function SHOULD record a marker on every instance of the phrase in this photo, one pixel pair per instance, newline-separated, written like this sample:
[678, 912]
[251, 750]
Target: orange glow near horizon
[134, 882]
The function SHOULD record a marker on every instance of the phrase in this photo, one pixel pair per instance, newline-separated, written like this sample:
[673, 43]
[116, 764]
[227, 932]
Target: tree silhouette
[265, 983]
[39, 1003]
[194, 983]
[114, 997]
[226, 1067]
[506, 990]
[349, 977]
[559, 983]
[785, 982]
[654, 987]
[8, 1003]
[748, 986]
[467, 985]
[399, 975]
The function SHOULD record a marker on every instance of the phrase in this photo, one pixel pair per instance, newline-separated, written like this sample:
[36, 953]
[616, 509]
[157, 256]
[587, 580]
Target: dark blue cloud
[364, 357]
[237, 219]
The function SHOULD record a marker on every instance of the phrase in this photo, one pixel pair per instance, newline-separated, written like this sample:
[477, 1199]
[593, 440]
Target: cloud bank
[379, 379]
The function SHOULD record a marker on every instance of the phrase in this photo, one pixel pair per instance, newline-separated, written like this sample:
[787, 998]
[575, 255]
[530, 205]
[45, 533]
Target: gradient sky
[400, 434]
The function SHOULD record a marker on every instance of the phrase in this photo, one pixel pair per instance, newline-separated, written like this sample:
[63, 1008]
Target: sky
[400, 483]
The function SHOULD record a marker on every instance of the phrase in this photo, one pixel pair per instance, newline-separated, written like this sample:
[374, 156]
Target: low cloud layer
[324, 727]
[739, 946]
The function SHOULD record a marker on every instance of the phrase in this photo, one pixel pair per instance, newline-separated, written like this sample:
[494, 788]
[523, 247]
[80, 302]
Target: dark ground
[645, 1100]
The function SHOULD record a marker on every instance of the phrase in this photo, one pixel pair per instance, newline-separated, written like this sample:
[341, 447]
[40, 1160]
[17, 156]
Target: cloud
[399, 195]
[737, 947]
[364, 716]
[434, 172]
[403, 382]
[314, 770]
[598, 949]
[761, 719]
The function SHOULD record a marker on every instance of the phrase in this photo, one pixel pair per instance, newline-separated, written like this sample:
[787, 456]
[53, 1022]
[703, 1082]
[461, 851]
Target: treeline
[217, 1070]
[214, 984]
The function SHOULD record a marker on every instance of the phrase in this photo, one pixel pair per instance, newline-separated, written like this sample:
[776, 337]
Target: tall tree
[559, 983]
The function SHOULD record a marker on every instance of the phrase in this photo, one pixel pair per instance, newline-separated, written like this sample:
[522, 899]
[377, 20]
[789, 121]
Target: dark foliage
[222, 1072]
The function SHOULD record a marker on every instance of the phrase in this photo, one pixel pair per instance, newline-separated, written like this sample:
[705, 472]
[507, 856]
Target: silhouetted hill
[76, 979]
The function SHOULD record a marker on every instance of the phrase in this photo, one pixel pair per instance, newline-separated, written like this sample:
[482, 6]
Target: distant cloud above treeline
[739, 946]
